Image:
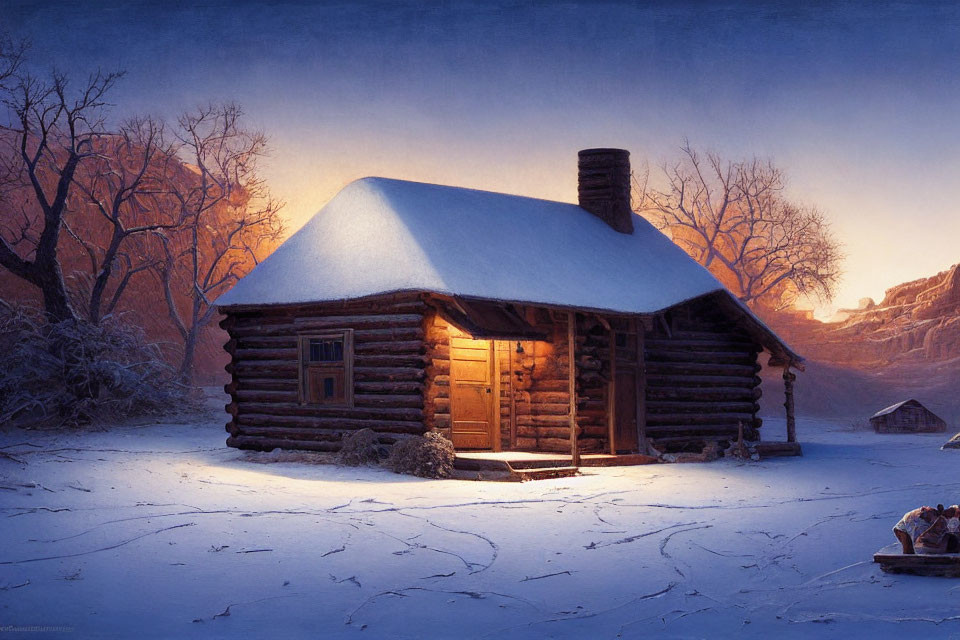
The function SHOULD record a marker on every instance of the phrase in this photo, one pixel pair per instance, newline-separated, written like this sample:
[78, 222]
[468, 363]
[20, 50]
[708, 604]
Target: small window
[625, 345]
[326, 349]
[626, 341]
[326, 369]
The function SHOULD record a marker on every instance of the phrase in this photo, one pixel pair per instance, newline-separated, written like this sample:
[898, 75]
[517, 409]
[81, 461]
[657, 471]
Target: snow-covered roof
[892, 408]
[379, 235]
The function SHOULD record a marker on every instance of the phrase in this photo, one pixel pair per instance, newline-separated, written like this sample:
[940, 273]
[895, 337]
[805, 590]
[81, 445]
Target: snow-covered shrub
[74, 372]
[427, 456]
[361, 447]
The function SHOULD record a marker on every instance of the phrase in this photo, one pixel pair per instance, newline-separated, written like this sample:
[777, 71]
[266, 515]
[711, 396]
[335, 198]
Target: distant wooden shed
[908, 416]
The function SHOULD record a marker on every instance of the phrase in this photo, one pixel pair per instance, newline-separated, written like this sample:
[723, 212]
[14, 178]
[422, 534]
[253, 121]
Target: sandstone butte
[916, 322]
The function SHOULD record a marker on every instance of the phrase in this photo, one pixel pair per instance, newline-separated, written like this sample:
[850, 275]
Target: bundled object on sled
[927, 530]
[930, 543]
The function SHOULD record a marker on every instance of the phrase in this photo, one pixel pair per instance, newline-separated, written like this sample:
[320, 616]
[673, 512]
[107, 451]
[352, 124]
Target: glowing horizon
[855, 102]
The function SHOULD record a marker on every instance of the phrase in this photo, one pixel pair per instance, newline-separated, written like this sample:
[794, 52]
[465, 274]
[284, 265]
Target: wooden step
[543, 463]
[620, 460]
[480, 464]
[779, 449]
[546, 473]
[484, 475]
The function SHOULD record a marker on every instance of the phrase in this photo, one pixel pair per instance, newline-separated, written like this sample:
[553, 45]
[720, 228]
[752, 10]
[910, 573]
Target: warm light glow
[860, 117]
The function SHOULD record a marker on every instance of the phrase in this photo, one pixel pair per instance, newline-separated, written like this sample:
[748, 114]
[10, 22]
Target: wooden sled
[946, 565]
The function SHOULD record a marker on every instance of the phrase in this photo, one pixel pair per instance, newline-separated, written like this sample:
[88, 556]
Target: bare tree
[734, 218]
[48, 133]
[11, 57]
[229, 219]
[126, 185]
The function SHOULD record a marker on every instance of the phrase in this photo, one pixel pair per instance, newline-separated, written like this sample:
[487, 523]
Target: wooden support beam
[641, 390]
[513, 399]
[663, 323]
[497, 436]
[612, 394]
[572, 386]
[788, 379]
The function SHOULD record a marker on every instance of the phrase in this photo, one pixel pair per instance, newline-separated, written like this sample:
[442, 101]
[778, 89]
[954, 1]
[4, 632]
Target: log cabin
[505, 323]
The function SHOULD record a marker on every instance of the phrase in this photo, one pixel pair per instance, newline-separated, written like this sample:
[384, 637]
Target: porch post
[496, 382]
[788, 379]
[572, 386]
[641, 414]
[612, 394]
[513, 401]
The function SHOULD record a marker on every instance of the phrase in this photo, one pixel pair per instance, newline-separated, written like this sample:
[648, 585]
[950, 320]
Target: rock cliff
[907, 345]
[916, 322]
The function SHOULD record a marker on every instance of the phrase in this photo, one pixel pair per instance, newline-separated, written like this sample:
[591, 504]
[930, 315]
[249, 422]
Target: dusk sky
[857, 101]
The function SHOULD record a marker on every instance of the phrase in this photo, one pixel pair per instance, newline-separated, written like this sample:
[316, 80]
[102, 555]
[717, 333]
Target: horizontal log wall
[542, 391]
[701, 373]
[389, 369]
[437, 382]
[593, 374]
[702, 383]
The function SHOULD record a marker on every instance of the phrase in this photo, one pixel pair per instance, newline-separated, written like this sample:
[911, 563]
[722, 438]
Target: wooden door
[471, 393]
[625, 423]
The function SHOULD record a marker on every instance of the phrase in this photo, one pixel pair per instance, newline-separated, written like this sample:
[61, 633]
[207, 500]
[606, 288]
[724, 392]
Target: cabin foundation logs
[700, 371]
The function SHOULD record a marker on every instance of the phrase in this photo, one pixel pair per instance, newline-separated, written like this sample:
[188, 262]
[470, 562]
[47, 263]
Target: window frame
[346, 366]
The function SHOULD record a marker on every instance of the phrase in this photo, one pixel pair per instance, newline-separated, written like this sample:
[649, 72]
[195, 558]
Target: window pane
[326, 350]
[323, 370]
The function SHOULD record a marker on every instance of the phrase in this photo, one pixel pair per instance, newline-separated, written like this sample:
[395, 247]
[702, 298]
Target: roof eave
[782, 354]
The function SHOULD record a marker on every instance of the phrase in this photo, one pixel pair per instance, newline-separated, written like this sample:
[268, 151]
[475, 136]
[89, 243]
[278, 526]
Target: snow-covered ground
[161, 531]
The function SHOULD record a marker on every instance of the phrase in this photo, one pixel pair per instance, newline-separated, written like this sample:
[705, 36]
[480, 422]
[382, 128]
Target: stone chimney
[604, 186]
